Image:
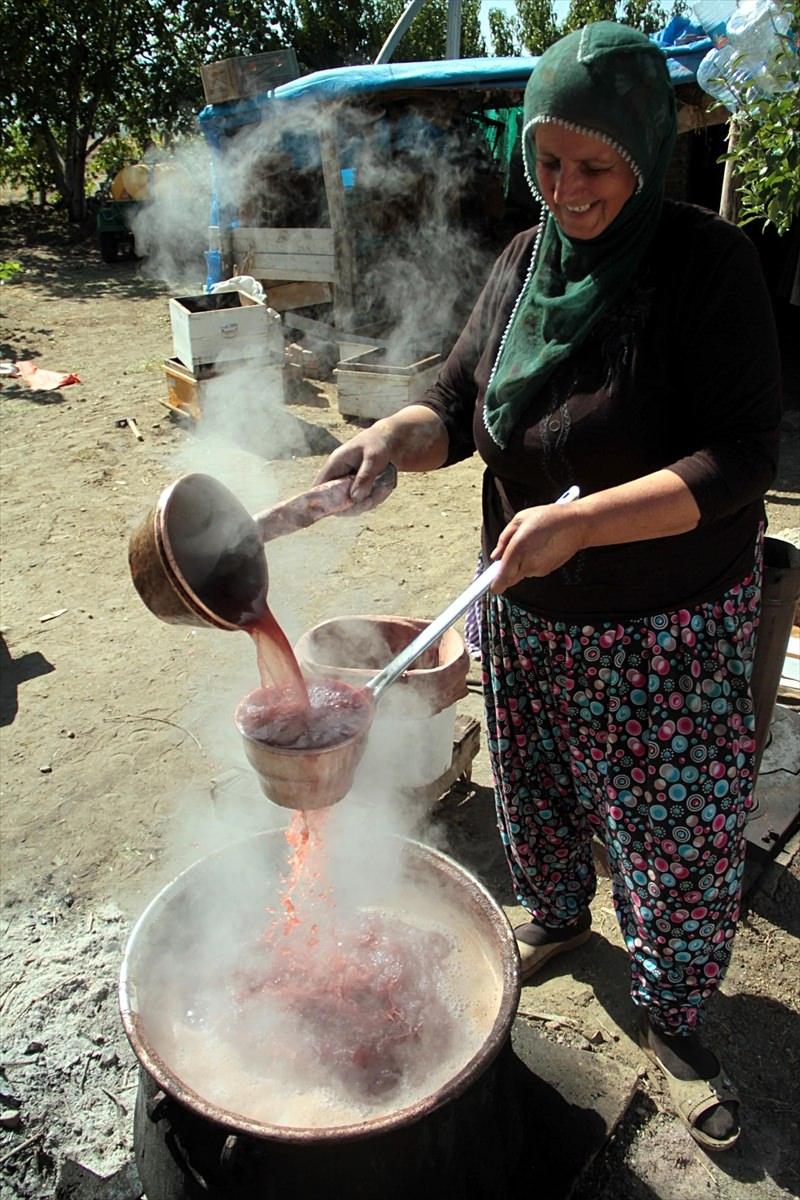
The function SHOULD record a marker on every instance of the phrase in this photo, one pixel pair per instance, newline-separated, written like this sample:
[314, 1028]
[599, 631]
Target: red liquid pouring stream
[277, 665]
[368, 992]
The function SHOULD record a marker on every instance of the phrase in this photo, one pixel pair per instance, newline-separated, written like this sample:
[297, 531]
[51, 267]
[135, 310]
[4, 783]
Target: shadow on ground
[13, 672]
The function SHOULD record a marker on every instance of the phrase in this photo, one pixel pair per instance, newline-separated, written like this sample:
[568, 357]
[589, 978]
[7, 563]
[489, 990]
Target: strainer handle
[431, 633]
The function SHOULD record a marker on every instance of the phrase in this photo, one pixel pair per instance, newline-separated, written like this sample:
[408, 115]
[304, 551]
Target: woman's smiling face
[584, 182]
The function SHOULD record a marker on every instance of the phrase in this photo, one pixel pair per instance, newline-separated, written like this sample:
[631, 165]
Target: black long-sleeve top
[683, 374]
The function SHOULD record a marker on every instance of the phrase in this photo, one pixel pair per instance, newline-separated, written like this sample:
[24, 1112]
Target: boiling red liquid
[328, 713]
[368, 999]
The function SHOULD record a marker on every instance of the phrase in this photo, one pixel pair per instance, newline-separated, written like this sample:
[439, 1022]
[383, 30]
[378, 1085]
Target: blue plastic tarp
[686, 47]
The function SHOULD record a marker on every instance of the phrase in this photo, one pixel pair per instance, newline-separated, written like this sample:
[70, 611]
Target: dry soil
[120, 763]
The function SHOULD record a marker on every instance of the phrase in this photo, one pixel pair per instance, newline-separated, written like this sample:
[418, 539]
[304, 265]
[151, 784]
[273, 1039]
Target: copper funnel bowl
[309, 779]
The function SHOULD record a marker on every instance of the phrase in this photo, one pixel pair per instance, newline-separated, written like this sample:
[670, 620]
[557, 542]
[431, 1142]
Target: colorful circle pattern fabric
[644, 735]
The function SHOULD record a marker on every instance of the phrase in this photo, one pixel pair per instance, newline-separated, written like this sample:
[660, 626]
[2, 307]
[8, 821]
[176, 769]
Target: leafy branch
[765, 151]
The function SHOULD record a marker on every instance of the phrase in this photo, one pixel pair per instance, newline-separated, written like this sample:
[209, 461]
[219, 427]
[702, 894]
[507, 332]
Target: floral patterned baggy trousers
[642, 734]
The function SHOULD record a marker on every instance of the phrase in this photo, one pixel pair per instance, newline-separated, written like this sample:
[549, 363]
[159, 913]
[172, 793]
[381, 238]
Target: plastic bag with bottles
[753, 45]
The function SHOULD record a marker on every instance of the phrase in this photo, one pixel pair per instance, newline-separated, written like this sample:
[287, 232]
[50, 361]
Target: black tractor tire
[108, 247]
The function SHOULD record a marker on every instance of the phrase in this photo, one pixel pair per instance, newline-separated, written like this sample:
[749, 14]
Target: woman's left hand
[537, 541]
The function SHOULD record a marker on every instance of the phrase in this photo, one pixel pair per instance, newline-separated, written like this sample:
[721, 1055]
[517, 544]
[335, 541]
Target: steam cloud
[425, 276]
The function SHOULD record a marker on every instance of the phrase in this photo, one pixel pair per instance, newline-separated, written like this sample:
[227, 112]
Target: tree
[326, 34]
[583, 12]
[25, 163]
[647, 15]
[89, 66]
[426, 37]
[505, 32]
[538, 25]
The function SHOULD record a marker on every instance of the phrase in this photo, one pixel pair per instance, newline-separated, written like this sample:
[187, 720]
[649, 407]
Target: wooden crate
[188, 391]
[370, 388]
[223, 325]
[184, 388]
[286, 254]
[248, 75]
[288, 297]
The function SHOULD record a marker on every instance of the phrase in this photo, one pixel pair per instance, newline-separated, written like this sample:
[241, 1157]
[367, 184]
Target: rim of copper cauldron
[472, 1070]
[155, 571]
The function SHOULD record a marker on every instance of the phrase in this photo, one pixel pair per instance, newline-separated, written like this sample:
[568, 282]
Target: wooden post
[729, 199]
[344, 286]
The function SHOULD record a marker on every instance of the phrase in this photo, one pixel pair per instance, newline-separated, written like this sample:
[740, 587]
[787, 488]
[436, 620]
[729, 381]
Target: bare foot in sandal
[713, 1117]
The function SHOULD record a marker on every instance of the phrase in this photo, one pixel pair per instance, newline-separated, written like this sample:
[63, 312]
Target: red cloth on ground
[41, 380]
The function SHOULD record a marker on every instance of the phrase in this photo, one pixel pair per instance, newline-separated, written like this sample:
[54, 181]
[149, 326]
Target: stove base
[471, 1146]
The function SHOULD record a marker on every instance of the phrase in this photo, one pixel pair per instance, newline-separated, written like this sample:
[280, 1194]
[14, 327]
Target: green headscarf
[612, 83]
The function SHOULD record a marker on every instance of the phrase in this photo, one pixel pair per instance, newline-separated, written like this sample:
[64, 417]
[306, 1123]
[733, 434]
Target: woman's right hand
[413, 439]
[367, 457]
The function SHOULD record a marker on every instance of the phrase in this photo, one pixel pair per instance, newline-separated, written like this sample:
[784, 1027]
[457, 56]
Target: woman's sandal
[533, 958]
[691, 1098]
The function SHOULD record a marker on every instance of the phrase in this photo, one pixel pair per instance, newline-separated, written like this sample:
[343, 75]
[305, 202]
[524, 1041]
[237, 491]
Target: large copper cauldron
[161, 956]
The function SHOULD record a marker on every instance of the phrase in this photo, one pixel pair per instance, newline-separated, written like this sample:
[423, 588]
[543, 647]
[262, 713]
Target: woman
[625, 346]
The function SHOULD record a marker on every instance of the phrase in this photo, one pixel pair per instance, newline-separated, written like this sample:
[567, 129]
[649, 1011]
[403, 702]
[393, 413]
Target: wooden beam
[269, 240]
[344, 296]
[283, 296]
[700, 116]
[317, 267]
[729, 199]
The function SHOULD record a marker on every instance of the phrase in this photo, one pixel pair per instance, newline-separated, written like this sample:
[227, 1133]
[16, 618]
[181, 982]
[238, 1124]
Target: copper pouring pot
[197, 558]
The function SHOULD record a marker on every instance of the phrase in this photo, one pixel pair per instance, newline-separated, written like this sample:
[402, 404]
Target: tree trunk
[75, 175]
[69, 169]
[729, 197]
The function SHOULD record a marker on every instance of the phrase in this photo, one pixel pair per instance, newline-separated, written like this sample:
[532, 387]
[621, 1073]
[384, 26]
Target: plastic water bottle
[749, 54]
[213, 268]
[725, 74]
[712, 16]
[756, 30]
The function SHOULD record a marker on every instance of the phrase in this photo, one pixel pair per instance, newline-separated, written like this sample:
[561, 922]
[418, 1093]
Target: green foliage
[116, 152]
[536, 26]
[765, 149]
[24, 162]
[647, 15]
[426, 38]
[582, 12]
[9, 270]
[505, 32]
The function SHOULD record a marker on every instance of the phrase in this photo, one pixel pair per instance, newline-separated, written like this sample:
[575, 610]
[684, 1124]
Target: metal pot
[160, 968]
[197, 557]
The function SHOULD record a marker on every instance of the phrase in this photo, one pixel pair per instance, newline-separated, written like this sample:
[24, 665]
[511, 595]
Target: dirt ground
[120, 764]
